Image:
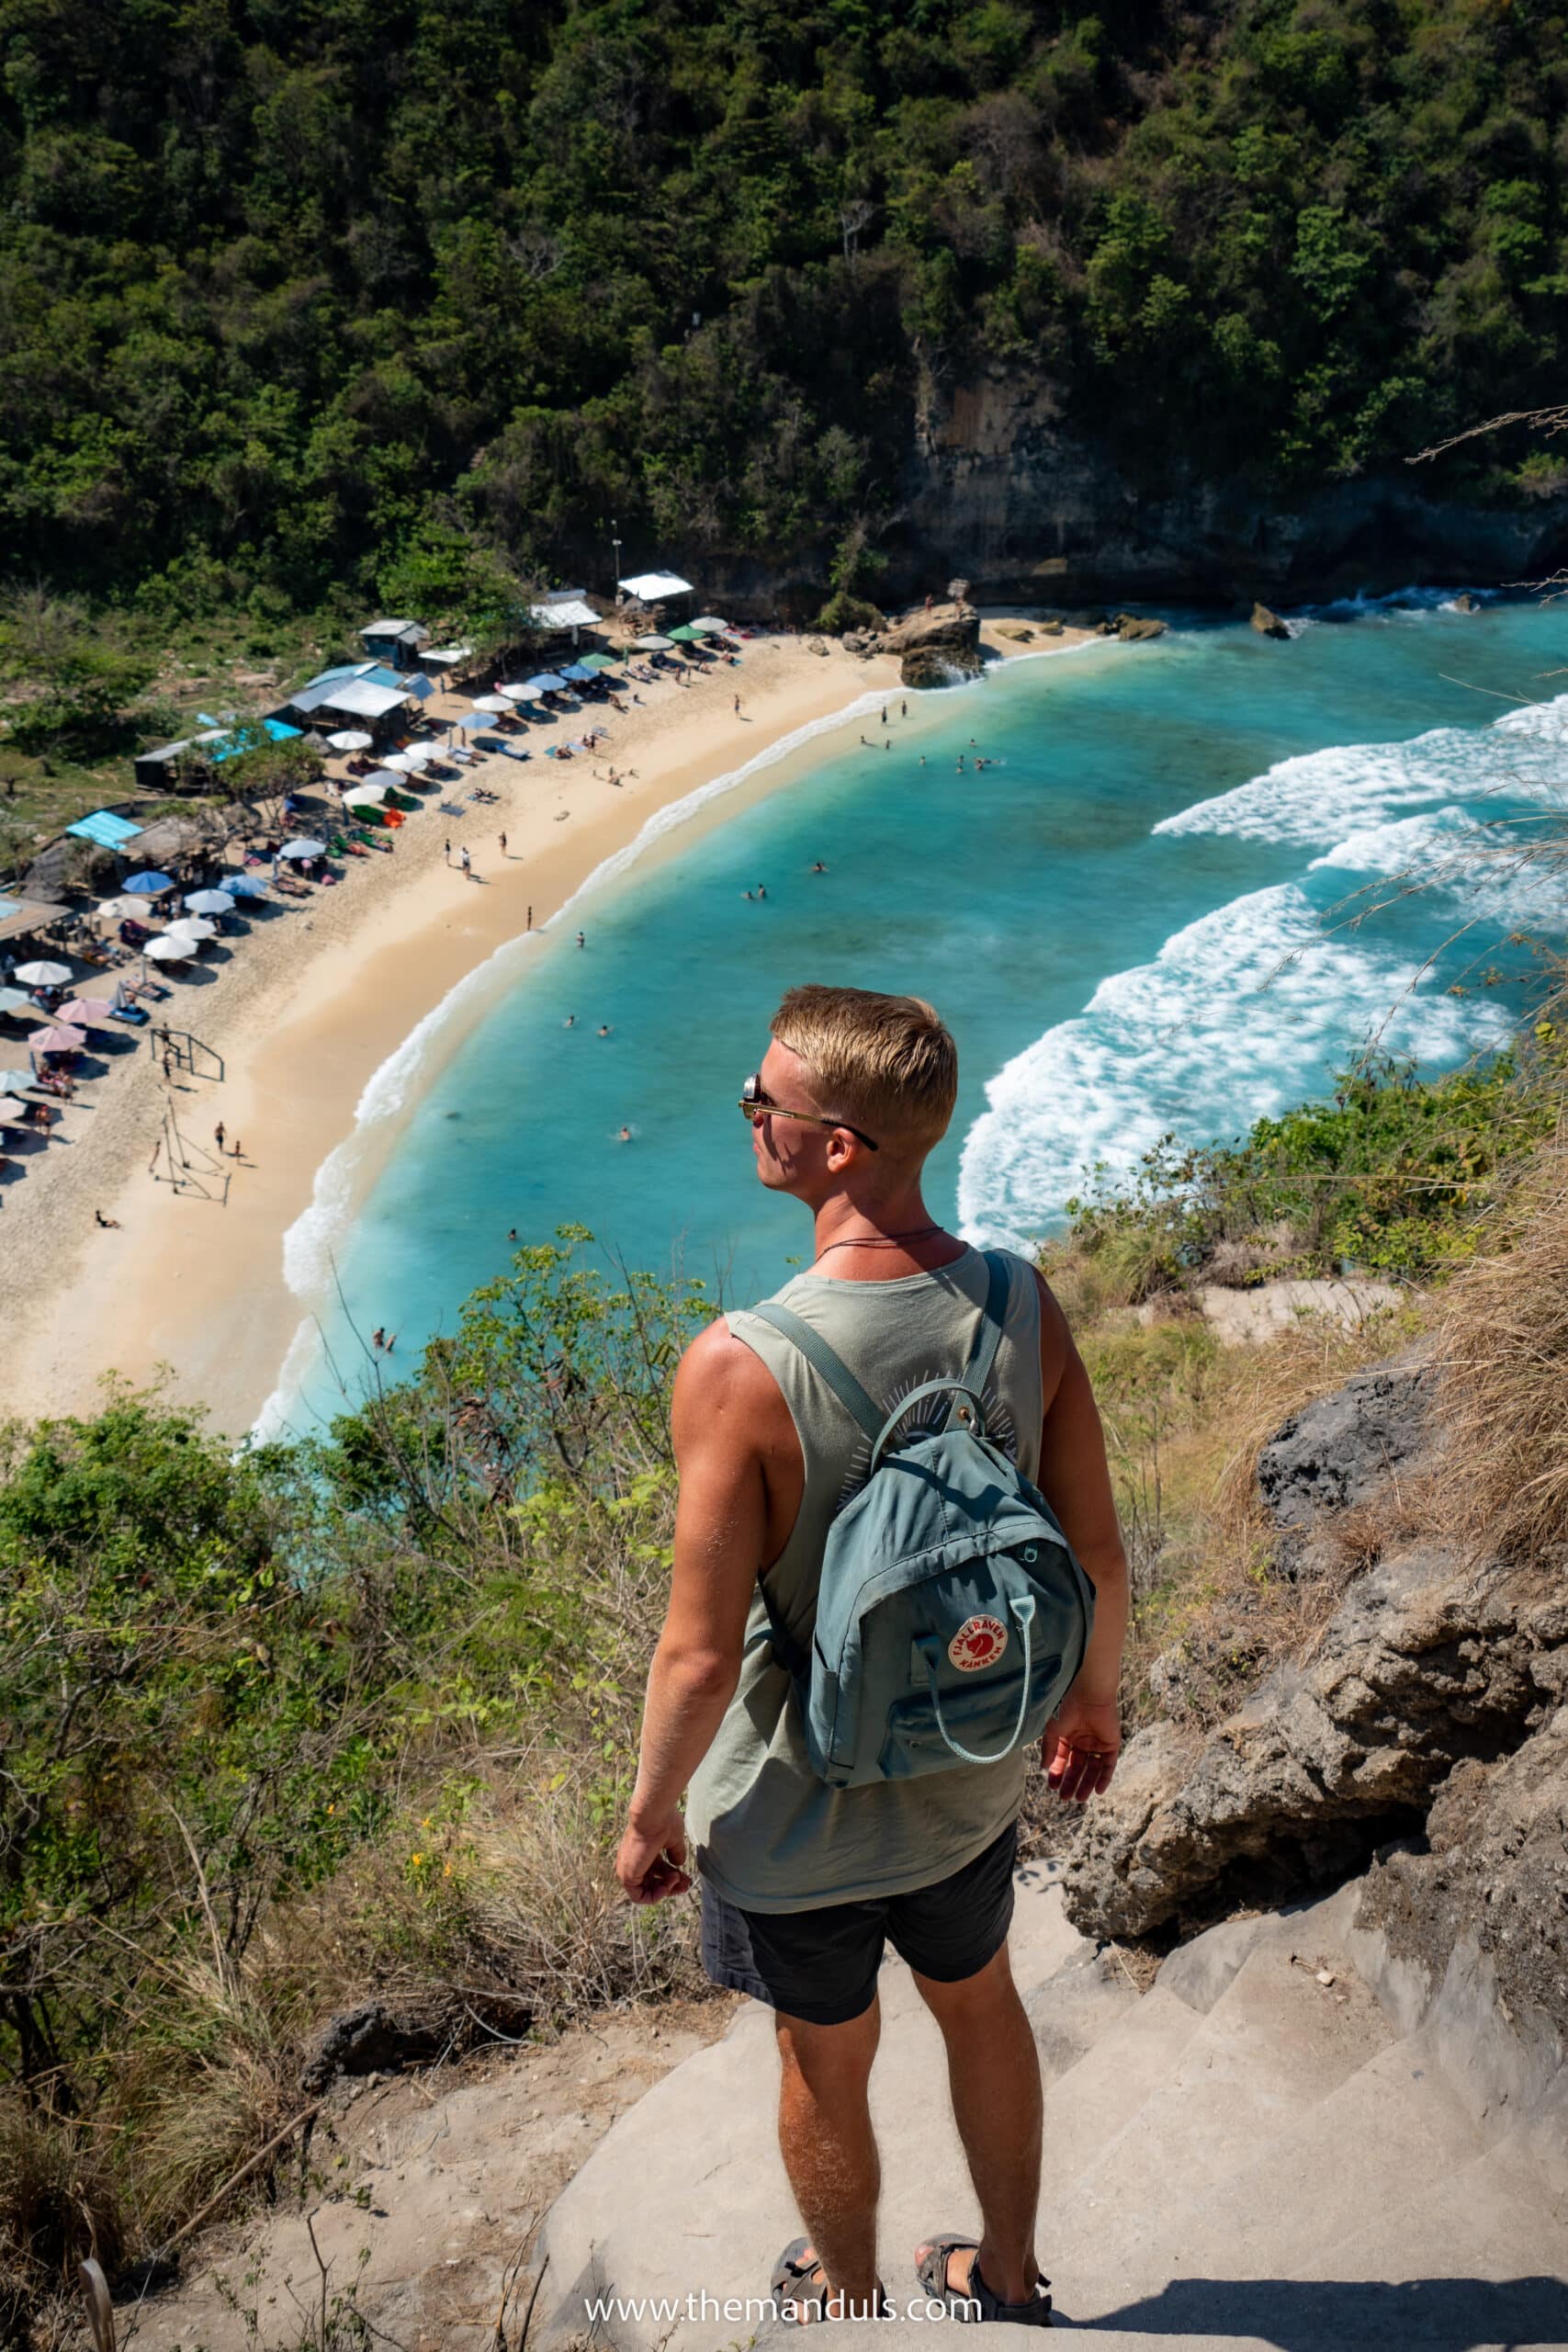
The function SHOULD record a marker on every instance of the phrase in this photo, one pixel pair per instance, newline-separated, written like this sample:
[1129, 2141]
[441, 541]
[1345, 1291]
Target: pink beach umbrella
[86, 1012]
[61, 1039]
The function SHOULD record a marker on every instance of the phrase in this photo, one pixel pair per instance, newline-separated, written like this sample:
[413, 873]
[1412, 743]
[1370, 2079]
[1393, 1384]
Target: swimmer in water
[819, 868]
[626, 1135]
[603, 1028]
[570, 1020]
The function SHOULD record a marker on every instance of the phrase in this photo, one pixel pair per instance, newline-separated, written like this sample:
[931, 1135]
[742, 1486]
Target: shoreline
[327, 999]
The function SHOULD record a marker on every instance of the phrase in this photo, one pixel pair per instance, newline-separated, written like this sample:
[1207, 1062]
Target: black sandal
[977, 2301]
[786, 2284]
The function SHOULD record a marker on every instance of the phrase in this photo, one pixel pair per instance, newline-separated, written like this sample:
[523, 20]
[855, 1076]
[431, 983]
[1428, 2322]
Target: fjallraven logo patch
[979, 1641]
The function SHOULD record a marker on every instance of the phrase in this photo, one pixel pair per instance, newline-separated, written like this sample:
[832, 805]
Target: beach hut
[396, 643]
[104, 827]
[653, 587]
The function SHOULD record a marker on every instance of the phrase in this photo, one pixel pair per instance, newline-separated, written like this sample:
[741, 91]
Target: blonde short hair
[886, 1063]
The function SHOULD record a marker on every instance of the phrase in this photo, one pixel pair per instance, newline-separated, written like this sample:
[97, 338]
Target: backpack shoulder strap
[820, 1357]
[993, 1315]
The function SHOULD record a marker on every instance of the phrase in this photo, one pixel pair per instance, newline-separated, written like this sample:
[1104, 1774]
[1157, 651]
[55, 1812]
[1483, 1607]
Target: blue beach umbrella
[244, 886]
[149, 885]
[547, 682]
[578, 670]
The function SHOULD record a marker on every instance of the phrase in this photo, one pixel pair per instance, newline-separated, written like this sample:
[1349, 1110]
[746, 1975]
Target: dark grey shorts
[820, 1966]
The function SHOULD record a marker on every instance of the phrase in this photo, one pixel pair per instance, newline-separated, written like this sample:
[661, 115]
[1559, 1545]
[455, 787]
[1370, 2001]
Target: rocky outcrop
[1134, 628]
[1340, 1449]
[935, 649]
[1267, 624]
[1432, 1669]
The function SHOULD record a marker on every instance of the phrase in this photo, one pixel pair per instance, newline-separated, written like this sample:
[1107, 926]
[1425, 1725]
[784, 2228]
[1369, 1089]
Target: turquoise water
[1100, 917]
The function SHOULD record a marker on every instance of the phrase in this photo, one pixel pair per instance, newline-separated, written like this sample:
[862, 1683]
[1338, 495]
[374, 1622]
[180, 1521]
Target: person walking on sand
[447, 847]
[468, 863]
[503, 845]
[801, 1883]
[217, 1133]
[238, 1147]
[530, 923]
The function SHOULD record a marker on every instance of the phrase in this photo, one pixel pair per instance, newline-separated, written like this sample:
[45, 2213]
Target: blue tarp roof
[244, 739]
[104, 828]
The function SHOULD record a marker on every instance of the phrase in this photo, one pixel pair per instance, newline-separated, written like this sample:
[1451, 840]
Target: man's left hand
[650, 1863]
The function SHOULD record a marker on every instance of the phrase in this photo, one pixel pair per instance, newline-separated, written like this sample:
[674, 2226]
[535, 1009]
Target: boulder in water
[1465, 603]
[1267, 624]
[1136, 627]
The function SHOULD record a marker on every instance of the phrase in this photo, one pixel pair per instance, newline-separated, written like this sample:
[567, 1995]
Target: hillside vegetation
[297, 298]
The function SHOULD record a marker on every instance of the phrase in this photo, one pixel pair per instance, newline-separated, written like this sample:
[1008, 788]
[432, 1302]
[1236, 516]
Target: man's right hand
[649, 1863]
[1080, 1746]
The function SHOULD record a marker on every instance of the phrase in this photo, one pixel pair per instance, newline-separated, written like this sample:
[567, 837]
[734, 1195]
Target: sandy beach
[291, 1020]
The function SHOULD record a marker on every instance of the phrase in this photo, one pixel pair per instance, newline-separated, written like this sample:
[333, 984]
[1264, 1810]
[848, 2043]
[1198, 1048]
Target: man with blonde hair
[803, 1882]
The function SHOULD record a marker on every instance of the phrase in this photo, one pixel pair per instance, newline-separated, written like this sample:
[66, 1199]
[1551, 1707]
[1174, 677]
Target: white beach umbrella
[404, 763]
[365, 796]
[121, 910]
[303, 848]
[166, 949]
[529, 690]
[349, 739]
[43, 974]
[655, 644]
[15, 1001]
[12, 1112]
[492, 702]
[210, 902]
[419, 755]
[10, 1080]
[709, 626]
[192, 927]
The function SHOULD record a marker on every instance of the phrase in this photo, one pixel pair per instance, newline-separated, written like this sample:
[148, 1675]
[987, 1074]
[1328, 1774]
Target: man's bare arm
[724, 1396]
[1084, 1738]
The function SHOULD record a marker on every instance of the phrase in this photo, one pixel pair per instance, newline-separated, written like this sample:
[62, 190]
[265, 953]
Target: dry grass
[57, 2202]
[1502, 1345]
[1185, 1418]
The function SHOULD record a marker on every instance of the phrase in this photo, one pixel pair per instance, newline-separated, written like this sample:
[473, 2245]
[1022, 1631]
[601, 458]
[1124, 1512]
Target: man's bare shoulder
[719, 1373]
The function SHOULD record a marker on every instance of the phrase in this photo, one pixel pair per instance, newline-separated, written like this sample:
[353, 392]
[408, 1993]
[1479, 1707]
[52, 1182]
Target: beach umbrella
[492, 702]
[528, 691]
[168, 950]
[120, 910]
[192, 927]
[349, 739]
[150, 884]
[15, 1001]
[12, 1112]
[44, 975]
[10, 1080]
[368, 795]
[547, 682]
[474, 722]
[244, 886]
[60, 1039]
[708, 626]
[576, 671]
[653, 644]
[210, 902]
[85, 1012]
[303, 848]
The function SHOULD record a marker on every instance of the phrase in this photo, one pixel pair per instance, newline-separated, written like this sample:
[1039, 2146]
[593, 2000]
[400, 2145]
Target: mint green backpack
[951, 1615]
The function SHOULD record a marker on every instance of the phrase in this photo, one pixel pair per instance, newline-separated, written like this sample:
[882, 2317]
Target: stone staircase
[1256, 2151]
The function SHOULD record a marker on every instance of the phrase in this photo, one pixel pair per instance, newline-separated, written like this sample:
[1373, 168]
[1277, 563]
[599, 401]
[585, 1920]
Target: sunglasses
[755, 1105]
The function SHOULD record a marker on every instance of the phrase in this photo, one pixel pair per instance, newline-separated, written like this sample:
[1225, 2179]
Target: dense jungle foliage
[292, 295]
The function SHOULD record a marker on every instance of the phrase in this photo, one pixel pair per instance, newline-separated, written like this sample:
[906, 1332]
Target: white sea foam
[310, 1244]
[1241, 1014]
[1324, 797]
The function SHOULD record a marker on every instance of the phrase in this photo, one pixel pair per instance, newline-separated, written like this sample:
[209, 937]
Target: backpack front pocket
[980, 1717]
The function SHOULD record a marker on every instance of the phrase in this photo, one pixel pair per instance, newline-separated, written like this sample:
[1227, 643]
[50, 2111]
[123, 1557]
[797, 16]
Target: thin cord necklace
[878, 1241]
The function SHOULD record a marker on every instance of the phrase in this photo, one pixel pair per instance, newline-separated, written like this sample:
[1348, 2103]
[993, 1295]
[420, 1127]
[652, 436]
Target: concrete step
[1271, 2048]
[1275, 2209]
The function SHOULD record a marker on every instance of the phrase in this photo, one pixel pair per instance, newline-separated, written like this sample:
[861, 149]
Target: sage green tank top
[769, 1834]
